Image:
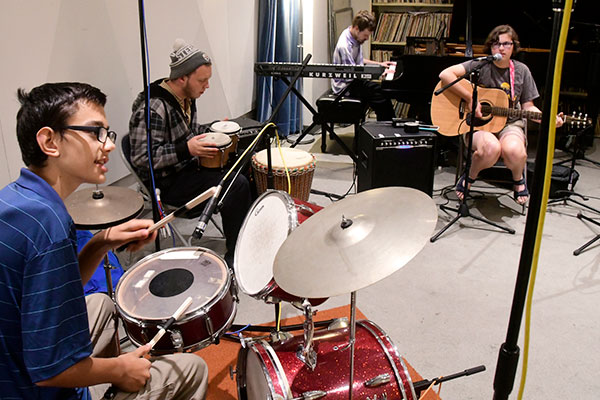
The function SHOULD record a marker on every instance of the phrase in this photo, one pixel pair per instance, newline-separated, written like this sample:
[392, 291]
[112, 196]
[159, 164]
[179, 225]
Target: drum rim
[202, 310]
[219, 146]
[292, 224]
[239, 128]
[284, 384]
[195, 346]
[371, 329]
[307, 167]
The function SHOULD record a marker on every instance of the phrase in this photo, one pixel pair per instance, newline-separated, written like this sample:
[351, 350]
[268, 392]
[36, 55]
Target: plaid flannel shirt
[169, 131]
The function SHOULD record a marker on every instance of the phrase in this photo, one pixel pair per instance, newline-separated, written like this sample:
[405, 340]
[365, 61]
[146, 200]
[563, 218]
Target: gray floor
[447, 309]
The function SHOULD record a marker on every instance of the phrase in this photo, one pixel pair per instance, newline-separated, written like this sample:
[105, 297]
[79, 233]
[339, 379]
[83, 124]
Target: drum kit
[288, 250]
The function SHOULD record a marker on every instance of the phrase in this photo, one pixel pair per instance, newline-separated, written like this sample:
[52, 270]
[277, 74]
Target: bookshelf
[397, 19]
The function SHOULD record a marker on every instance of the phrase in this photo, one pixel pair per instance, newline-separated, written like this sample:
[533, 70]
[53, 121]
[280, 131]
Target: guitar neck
[512, 112]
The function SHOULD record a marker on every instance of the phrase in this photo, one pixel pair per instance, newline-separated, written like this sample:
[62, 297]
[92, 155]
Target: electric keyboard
[338, 71]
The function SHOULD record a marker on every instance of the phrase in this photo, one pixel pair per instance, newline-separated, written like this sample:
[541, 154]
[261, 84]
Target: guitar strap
[512, 81]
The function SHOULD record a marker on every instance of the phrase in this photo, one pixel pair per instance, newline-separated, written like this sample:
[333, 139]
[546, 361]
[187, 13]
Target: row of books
[395, 27]
[381, 55]
[414, 1]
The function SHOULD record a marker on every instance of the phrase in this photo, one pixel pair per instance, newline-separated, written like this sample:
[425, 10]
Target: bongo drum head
[294, 158]
[225, 127]
[221, 139]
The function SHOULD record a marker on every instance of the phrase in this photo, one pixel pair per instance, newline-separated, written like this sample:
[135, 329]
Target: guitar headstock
[578, 121]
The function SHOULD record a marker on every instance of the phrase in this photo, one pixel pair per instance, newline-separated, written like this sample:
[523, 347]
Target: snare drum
[274, 371]
[301, 167]
[225, 144]
[153, 289]
[272, 217]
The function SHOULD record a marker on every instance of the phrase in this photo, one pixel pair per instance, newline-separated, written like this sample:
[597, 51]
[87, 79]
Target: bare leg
[514, 154]
[486, 151]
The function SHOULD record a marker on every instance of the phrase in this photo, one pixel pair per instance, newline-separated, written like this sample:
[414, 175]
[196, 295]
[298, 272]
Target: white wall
[315, 33]
[98, 41]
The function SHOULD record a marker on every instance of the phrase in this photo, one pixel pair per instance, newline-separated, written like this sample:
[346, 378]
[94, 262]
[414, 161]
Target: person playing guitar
[509, 141]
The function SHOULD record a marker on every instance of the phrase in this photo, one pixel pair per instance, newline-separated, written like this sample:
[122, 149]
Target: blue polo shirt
[43, 318]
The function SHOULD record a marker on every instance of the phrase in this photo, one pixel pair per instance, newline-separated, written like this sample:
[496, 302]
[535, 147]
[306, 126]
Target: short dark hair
[364, 20]
[494, 37]
[51, 105]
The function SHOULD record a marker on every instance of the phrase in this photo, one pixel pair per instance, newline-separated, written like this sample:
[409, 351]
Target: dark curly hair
[49, 105]
[494, 36]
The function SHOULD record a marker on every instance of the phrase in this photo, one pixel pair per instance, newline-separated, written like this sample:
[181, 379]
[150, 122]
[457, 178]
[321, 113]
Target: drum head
[294, 158]
[221, 139]
[269, 222]
[257, 386]
[225, 127]
[155, 287]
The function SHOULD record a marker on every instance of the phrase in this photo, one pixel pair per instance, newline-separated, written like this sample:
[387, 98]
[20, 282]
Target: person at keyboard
[349, 51]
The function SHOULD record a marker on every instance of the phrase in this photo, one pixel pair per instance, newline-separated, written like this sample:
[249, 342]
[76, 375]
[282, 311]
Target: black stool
[345, 110]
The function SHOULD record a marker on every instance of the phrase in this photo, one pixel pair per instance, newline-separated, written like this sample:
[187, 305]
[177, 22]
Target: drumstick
[187, 206]
[112, 390]
[184, 306]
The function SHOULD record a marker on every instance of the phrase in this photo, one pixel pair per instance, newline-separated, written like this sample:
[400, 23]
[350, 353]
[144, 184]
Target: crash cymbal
[99, 208]
[355, 242]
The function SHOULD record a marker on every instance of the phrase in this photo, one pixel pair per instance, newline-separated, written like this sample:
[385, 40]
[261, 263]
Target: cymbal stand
[578, 152]
[578, 251]
[352, 340]
[463, 208]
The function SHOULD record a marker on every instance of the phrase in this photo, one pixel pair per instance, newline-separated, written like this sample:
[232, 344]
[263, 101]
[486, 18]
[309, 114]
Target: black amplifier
[389, 156]
[249, 130]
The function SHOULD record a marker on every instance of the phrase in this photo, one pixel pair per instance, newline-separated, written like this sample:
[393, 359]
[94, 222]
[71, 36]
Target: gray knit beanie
[185, 58]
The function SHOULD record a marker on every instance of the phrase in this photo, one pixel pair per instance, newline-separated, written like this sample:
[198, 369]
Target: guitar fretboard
[511, 112]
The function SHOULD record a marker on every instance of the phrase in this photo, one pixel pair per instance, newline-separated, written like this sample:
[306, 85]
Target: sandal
[460, 185]
[522, 193]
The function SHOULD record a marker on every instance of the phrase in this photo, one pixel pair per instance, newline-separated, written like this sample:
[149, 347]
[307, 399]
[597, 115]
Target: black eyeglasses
[505, 44]
[101, 132]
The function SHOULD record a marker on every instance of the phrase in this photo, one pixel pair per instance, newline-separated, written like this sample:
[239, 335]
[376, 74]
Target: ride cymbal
[355, 242]
[103, 207]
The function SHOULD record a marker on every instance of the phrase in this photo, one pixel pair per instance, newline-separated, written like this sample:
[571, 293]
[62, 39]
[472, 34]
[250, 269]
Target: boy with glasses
[54, 342]
[515, 79]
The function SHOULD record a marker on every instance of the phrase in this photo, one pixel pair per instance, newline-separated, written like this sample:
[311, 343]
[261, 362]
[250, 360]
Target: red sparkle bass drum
[274, 371]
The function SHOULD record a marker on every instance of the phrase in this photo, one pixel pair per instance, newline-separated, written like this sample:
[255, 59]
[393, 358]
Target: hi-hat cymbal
[103, 207]
[355, 242]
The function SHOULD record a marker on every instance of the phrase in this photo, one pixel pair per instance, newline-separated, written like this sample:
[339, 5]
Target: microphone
[492, 57]
[207, 213]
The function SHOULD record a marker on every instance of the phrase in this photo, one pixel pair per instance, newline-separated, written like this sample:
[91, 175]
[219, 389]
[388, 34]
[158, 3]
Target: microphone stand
[463, 208]
[508, 355]
[154, 200]
[210, 207]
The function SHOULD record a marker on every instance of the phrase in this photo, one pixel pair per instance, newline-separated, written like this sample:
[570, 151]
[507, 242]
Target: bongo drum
[301, 167]
[225, 144]
[227, 127]
[151, 291]
[272, 217]
[268, 370]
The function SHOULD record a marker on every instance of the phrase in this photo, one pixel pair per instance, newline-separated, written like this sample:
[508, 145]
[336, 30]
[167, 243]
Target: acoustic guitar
[449, 112]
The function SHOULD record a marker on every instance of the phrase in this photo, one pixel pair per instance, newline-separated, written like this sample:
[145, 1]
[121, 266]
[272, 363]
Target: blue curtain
[278, 39]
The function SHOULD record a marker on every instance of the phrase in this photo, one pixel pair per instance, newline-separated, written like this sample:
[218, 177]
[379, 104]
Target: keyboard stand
[319, 119]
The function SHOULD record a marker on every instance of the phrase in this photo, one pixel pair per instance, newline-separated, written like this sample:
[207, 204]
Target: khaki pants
[177, 376]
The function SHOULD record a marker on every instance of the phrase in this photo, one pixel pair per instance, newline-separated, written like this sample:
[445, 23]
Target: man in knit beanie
[176, 144]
